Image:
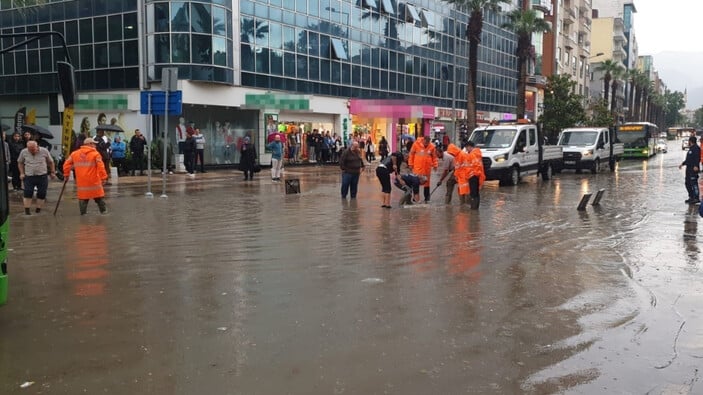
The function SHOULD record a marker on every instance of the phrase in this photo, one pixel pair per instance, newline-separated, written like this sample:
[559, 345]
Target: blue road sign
[158, 102]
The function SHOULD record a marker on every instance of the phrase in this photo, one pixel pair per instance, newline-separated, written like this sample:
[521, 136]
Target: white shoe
[191, 175]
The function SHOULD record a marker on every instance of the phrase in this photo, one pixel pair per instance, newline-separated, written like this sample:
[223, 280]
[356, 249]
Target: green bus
[639, 138]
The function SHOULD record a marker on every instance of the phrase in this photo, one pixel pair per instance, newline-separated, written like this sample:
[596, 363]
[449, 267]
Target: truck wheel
[547, 172]
[596, 166]
[515, 176]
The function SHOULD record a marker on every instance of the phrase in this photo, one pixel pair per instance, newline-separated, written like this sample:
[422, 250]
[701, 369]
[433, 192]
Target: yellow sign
[631, 128]
[67, 131]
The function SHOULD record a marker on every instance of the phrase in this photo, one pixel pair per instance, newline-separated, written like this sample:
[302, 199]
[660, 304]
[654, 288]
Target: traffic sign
[157, 100]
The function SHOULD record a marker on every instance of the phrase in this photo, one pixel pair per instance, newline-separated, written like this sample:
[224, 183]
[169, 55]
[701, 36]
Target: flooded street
[234, 287]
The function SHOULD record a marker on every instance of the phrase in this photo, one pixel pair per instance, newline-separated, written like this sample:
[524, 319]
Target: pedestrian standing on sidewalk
[136, 145]
[692, 163]
[199, 150]
[276, 147]
[351, 164]
[35, 166]
[189, 153]
[118, 150]
[90, 175]
[247, 160]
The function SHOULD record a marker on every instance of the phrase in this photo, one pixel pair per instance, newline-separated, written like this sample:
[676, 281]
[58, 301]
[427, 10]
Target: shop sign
[441, 112]
[277, 102]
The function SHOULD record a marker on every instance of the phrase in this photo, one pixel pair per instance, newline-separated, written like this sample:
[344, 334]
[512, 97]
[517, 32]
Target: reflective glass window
[162, 47]
[246, 7]
[262, 60]
[46, 59]
[115, 55]
[180, 18]
[277, 62]
[289, 38]
[275, 38]
[289, 64]
[130, 25]
[302, 66]
[86, 30]
[86, 58]
[247, 57]
[100, 29]
[101, 56]
[314, 44]
[301, 5]
[180, 48]
[219, 25]
[219, 49]
[114, 27]
[202, 48]
[200, 18]
[131, 53]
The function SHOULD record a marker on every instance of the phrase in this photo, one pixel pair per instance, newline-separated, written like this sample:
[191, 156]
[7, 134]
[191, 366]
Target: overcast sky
[669, 25]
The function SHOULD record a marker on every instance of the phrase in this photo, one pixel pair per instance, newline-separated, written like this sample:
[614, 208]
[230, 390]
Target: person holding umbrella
[90, 175]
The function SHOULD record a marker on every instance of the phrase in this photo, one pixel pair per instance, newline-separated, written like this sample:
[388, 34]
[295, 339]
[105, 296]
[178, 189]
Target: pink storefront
[391, 119]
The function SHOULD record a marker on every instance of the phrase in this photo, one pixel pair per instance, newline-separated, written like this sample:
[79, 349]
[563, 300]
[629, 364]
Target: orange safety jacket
[90, 172]
[467, 165]
[422, 159]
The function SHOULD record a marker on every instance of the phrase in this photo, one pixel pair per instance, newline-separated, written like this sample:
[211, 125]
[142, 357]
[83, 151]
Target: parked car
[684, 144]
[662, 146]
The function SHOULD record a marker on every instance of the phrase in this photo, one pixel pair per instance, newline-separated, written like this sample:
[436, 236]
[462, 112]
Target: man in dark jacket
[692, 163]
[136, 145]
[351, 164]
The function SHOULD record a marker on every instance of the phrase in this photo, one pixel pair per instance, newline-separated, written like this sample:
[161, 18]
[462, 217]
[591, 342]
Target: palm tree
[630, 77]
[473, 34]
[524, 23]
[641, 81]
[617, 73]
[608, 67]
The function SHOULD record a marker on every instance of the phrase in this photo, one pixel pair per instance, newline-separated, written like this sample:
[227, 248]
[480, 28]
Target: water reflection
[690, 233]
[87, 269]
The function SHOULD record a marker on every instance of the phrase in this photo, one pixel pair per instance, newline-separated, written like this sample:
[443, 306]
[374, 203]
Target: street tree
[673, 104]
[524, 23]
[600, 114]
[617, 73]
[474, 29]
[562, 107]
[699, 117]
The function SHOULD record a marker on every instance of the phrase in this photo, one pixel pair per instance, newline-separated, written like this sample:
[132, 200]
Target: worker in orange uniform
[90, 175]
[476, 174]
[421, 160]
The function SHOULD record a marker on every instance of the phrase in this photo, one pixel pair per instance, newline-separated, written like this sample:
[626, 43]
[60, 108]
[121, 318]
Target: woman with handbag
[247, 162]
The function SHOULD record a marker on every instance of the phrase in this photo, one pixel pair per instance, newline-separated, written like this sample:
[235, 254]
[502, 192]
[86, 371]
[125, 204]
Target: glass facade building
[319, 50]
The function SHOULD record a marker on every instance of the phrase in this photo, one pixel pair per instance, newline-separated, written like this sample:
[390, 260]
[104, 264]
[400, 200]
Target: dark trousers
[350, 184]
[137, 161]
[119, 164]
[200, 157]
[15, 172]
[189, 161]
[692, 185]
[474, 192]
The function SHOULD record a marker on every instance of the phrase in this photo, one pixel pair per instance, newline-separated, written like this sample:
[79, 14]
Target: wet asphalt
[232, 287]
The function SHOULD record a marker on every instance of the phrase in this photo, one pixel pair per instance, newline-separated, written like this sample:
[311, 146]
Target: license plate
[570, 162]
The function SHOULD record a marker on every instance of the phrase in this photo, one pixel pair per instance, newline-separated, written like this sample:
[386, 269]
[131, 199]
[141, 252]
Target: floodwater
[234, 287]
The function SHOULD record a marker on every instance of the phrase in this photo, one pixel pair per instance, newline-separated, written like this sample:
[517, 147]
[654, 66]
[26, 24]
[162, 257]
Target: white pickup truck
[589, 149]
[511, 151]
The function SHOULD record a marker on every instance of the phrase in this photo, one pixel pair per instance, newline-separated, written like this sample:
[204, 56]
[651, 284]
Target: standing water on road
[234, 287]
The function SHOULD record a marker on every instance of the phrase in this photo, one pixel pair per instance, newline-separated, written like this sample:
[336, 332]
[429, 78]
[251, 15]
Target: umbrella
[40, 130]
[408, 137]
[109, 128]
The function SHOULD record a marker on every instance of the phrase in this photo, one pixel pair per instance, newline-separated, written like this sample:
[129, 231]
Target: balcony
[537, 80]
[585, 6]
[569, 16]
[619, 37]
[585, 23]
[570, 40]
[542, 5]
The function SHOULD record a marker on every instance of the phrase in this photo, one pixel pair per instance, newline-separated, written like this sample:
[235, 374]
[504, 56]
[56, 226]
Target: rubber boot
[475, 202]
[462, 199]
[83, 206]
[101, 205]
